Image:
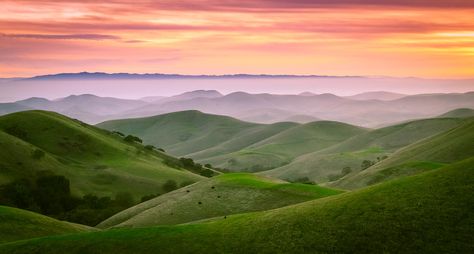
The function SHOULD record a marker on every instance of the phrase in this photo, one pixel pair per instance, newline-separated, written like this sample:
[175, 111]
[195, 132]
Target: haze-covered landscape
[276, 136]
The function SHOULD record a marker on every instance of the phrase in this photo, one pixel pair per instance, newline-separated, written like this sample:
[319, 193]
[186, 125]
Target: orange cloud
[339, 37]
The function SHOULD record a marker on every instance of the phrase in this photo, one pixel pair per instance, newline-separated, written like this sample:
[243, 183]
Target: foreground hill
[427, 154]
[372, 145]
[95, 161]
[17, 224]
[426, 213]
[219, 196]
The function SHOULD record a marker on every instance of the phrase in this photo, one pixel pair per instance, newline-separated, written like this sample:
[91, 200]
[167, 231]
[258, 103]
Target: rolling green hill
[181, 133]
[282, 148]
[427, 154]
[219, 196]
[96, 161]
[17, 224]
[427, 213]
[321, 165]
[229, 143]
[460, 112]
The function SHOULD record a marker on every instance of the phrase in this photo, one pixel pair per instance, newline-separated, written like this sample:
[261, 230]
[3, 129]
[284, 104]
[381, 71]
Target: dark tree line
[189, 164]
[51, 195]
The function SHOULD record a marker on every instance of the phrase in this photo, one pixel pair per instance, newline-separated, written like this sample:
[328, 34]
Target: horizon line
[147, 75]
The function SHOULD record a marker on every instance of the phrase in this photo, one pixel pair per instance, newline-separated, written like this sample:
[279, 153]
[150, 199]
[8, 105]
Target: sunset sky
[420, 38]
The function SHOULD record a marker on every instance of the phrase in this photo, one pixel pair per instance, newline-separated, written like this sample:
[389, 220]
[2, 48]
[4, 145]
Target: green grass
[17, 224]
[285, 146]
[182, 133]
[229, 143]
[447, 147]
[220, 196]
[94, 160]
[432, 212]
[319, 165]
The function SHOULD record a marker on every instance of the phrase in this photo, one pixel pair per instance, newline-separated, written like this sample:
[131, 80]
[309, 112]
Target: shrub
[150, 147]
[366, 164]
[131, 139]
[118, 133]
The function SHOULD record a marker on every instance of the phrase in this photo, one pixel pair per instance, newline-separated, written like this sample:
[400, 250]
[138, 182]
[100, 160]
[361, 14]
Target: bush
[207, 173]
[132, 139]
[366, 164]
[150, 147]
[118, 133]
[304, 180]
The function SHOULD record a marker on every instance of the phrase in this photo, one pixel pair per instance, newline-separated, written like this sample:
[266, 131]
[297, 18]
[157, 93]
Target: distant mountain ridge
[377, 95]
[124, 75]
[259, 108]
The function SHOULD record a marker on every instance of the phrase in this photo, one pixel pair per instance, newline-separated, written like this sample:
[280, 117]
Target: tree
[346, 170]
[53, 194]
[366, 164]
[207, 173]
[150, 147]
[131, 138]
[118, 133]
[208, 165]
[170, 185]
[187, 162]
[19, 194]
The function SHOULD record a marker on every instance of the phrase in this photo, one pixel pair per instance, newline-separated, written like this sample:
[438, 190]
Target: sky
[401, 38]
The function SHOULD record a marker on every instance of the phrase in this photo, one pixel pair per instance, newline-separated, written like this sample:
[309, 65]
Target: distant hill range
[319, 151]
[104, 75]
[372, 109]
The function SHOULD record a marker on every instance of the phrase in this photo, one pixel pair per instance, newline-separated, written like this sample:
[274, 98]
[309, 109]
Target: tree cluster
[51, 195]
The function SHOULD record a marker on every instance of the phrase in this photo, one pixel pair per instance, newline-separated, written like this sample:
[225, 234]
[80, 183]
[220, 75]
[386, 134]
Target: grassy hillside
[426, 213]
[229, 143]
[219, 154]
[282, 148]
[427, 154]
[460, 112]
[17, 224]
[321, 165]
[219, 196]
[94, 160]
[181, 133]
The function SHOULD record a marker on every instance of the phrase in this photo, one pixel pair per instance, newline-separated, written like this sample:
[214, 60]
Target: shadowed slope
[219, 196]
[96, 161]
[17, 224]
